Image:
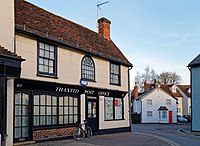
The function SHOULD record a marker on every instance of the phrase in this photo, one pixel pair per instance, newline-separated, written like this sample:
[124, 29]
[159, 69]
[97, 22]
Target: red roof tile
[7, 53]
[34, 20]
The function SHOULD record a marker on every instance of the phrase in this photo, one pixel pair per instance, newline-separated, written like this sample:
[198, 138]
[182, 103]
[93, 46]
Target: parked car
[181, 119]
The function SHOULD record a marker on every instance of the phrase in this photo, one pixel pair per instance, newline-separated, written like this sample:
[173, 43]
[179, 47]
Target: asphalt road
[168, 133]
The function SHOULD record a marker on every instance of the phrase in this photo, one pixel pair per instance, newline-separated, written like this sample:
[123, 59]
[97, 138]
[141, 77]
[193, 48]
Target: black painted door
[92, 113]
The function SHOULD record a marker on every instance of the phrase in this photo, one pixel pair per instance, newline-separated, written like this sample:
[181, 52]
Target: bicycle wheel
[78, 134]
[89, 131]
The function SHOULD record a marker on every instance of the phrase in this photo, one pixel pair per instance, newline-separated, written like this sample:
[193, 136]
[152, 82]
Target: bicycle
[80, 132]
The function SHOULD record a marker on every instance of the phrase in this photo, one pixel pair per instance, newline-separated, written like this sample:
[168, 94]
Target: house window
[114, 74]
[52, 110]
[113, 108]
[168, 102]
[149, 114]
[164, 114]
[87, 69]
[149, 102]
[47, 59]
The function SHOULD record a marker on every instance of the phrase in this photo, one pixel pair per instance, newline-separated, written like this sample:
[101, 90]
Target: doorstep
[24, 143]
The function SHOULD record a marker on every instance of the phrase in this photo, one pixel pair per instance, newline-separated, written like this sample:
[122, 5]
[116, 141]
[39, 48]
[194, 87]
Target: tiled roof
[185, 89]
[6, 53]
[195, 62]
[36, 21]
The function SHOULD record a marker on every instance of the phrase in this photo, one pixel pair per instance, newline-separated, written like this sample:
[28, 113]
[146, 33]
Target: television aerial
[99, 7]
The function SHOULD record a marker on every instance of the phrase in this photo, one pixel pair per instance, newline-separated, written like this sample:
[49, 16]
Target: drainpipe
[191, 94]
[129, 97]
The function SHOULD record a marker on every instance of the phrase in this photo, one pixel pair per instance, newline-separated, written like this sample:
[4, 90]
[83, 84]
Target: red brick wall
[52, 133]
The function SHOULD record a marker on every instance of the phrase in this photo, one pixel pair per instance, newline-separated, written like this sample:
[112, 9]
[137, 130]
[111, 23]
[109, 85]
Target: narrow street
[169, 133]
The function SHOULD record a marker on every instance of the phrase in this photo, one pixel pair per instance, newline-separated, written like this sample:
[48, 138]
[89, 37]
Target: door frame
[15, 140]
[97, 108]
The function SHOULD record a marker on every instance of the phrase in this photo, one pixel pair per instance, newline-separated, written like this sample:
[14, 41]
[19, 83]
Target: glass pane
[75, 118]
[36, 99]
[45, 68]
[42, 120]
[48, 110]
[41, 68]
[109, 108]
[71, 101]
[24, 110]
[41, 53]
[54, 110]
[36, 110]
[89, 109]
[66, 110]
[50, 63]
[60, 100]
[51, 70]
[42, 110]
[51, 48]
[46, 62]
[54, 120]
[42, 45]
[17, 132]
[66, 121]
[42, 99]
[75, 101]
[47, 54]
[75, 110]
[118, 108]
[51, 55]
[70, 110]
[94, 109]
[25, 132]
[71, 119]
[60, 110]
[17, 121]
[66, 100]
[25, 99]
[25, 121]
[60, 119]
[46, 47]
[48, 120]
[18, 110]
[36, 121]
[54, 100]
[48, 100]
[18, 98]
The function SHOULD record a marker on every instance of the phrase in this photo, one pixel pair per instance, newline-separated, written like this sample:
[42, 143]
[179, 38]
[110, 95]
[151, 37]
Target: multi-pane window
[113, 108]
[168, 102]
[114, 74]
[164, 114]
[149, 114]
[53, 110]
[149, 102]
[87, 69]
[46, 59]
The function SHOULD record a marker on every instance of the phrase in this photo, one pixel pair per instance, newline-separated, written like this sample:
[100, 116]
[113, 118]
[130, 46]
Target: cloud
[179, 23]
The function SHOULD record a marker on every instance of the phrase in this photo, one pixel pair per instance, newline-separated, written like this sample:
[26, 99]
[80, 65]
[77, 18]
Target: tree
[169, 78]
[150, 75]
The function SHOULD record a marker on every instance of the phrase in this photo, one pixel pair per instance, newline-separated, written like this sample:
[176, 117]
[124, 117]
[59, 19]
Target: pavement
[189, 132]
[118, 139]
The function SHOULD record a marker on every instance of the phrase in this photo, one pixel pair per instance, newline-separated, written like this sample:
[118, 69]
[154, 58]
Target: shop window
[114, 74]
[52, 110]
[47, 60]
[87, 69]
[113, 108]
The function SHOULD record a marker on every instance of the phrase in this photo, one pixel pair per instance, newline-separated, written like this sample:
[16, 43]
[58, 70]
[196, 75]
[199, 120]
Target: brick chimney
[104, 27]
[145, 86]
[136, 91]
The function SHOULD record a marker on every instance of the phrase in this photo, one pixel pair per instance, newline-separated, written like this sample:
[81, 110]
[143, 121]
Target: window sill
[89, 80]
[47, 76]
[115, 84]
[114, 120]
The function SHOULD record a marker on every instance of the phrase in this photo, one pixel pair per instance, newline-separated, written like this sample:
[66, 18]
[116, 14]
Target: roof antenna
[99, 7]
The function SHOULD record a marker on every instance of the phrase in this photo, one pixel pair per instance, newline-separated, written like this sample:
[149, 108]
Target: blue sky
[164, 34]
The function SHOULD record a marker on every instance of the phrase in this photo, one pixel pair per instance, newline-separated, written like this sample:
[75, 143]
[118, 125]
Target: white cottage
[156, 106]
[194, 68]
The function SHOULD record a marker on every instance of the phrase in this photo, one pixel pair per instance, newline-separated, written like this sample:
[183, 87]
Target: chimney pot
[104, 27]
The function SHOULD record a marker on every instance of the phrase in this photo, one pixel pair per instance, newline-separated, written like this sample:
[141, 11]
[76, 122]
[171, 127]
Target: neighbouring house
[194, 67]
[69, 73]
[156, 104]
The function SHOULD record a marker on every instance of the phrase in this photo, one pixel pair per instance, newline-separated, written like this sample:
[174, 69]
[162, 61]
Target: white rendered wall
[7, 24]
[158, 99]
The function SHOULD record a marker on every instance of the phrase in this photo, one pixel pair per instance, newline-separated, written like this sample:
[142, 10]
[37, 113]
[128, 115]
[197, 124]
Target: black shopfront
[47, 110]
[10, 68]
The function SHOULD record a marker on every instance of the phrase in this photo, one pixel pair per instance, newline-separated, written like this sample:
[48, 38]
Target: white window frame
[149, 114]
[149, 102]
[168, 102]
